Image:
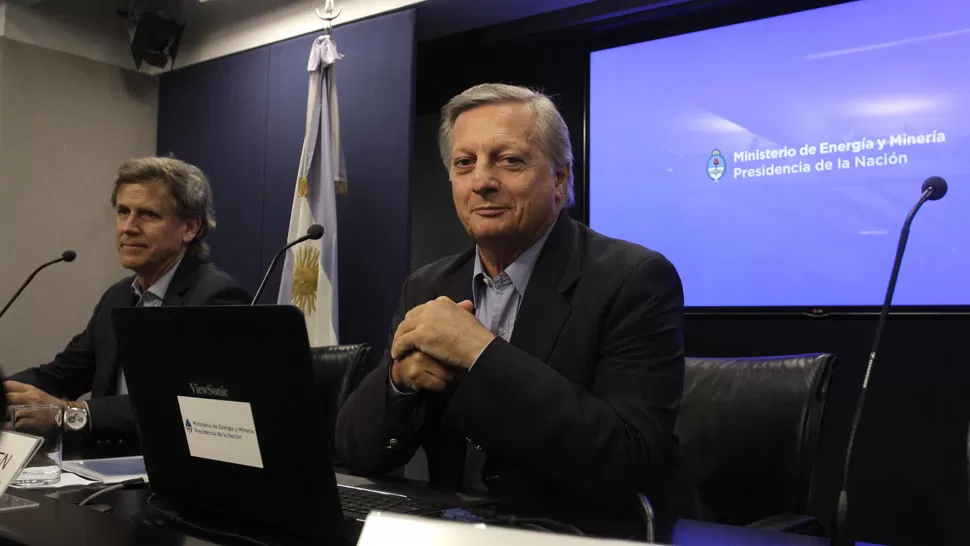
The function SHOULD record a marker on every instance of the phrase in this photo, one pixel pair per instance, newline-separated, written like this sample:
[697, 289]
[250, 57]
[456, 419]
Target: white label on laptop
[220, 430]
[15, 450]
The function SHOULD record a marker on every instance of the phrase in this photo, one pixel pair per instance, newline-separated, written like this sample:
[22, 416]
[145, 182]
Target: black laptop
[229, 425]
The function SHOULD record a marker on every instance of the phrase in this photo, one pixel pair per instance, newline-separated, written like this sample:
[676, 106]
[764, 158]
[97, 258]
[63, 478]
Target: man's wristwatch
[75, 416]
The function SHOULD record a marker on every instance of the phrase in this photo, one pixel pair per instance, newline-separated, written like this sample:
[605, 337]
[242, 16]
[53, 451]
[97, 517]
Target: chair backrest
[338, 370]
[748, 428]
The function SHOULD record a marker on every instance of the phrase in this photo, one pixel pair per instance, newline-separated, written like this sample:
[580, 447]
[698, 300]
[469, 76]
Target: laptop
[230, 427]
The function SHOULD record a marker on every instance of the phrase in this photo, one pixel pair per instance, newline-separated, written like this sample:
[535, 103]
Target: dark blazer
[88, 363]
[576, 414]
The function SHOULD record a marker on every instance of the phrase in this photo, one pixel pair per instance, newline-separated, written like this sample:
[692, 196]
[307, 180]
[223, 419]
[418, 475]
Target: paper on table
[72, 480]
[110, 470]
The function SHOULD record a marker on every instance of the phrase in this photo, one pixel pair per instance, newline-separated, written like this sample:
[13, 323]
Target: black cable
[543, 524]
[649, 516]
[110, 488]
[204, 528]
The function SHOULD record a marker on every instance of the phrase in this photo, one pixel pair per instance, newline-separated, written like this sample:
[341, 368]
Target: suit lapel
[182, 281]
[456, 281]
[541, 316]
[544, 308]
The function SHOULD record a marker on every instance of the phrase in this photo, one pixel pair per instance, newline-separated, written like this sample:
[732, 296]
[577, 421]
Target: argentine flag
[310, 270]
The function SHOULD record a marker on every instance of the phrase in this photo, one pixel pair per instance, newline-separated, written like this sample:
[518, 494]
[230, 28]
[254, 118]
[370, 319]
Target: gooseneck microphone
[66, 256]
[934, 188]
[313, 233]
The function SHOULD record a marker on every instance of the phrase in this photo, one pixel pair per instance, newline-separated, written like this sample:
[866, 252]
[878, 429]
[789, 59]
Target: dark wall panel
[376, 89]
[435, 229]
[242, 119]
[214, 115]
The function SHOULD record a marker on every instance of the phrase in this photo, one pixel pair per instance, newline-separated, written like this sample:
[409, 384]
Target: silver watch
[75, 418]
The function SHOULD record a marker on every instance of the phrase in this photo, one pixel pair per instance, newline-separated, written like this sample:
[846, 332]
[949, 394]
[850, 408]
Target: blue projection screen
[773, 162]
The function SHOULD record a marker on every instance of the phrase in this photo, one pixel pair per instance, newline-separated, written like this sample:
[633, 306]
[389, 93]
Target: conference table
[123, 518]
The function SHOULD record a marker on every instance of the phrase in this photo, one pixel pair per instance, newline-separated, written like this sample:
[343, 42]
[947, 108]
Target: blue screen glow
[773, 162]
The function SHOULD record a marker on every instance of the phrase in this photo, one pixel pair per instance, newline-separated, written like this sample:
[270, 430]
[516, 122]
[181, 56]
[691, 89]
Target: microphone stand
[27, 282]
[272, 266]
[314, 232]
[841, 531]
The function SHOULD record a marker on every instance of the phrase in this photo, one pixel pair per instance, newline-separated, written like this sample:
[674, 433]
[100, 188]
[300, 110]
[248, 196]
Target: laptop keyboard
[357, 503]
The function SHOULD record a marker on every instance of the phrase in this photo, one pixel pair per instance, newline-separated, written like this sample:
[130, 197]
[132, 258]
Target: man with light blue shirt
[163, 212]
[544, 365]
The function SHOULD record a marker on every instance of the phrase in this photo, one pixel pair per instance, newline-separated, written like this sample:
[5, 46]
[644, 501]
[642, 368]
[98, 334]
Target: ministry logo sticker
[716, 166]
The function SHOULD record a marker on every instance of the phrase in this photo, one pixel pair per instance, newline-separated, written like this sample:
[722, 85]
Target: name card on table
[15, 450]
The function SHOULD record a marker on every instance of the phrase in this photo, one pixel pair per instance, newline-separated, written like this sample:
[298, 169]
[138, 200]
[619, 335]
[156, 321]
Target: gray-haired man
[545, 364]
[164, 211]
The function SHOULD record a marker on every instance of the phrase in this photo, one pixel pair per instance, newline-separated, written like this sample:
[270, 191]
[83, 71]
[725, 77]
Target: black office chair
[338, 370]
[748, 428]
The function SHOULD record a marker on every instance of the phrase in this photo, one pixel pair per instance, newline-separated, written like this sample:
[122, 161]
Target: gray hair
[551, 129]
[188, 186]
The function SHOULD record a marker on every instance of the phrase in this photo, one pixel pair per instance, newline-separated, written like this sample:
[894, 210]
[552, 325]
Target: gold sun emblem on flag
[306, 273]
[301, 188]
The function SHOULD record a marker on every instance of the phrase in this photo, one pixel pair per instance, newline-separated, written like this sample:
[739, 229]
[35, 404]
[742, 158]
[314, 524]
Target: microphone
[937, 188]
[313, 233]
[934, 188]
[66, 256]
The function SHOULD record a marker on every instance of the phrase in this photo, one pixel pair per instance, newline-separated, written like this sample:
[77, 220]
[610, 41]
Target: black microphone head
[68, 255]
[937, 185]
[315, 231]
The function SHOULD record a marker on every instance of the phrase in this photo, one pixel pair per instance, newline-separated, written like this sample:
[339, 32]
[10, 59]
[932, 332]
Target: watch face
[76, 418]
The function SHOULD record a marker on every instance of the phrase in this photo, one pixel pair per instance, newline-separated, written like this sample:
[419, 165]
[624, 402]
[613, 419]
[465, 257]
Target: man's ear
[192, 227]
[562, 182]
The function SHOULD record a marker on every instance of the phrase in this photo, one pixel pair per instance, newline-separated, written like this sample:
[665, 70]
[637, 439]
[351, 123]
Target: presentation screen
[774, 162]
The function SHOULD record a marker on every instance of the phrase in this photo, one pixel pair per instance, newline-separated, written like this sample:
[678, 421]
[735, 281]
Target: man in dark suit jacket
[164, 211]
[546, 364]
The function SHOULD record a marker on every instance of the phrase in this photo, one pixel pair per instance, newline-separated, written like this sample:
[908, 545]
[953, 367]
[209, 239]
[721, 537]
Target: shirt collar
[161, 285]
[521, 269]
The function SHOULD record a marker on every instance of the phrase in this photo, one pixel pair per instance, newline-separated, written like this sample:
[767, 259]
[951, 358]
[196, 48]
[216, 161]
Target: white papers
[110, 470]
[68, 480]
[220, 430]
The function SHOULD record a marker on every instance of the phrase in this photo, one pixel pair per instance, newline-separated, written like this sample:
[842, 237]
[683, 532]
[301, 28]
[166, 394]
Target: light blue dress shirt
[497, 300]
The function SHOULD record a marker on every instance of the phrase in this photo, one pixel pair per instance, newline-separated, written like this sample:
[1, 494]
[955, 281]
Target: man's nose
[130, 225]
[484, 179]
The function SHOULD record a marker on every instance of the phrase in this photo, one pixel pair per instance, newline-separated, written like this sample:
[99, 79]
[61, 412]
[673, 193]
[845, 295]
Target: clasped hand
[434, 341]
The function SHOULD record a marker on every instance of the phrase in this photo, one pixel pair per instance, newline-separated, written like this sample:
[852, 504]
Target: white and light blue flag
[310, 270]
